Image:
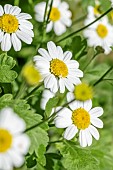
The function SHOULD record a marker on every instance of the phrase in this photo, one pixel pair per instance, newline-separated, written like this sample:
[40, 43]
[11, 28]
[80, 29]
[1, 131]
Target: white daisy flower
[57, 68]
[100, 34]
[14, 28]
[13, 143]
[46, 95]
[60, 16]
[80, 118]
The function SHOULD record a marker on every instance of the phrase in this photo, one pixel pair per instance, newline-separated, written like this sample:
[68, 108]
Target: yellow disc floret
[5, 140]
[83, 92]
[96, 10]
[8, 23]
[31, 74]
[55, 14]
[81, 118]
[58, 68]
[102, 30]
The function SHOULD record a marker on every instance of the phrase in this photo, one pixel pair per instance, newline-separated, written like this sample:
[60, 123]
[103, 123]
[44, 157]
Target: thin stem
[21, 90]
[54, 114]
[81, 29]
[30, 94]
[98, 81]
[57, 141]
[49, 12]
[89, 62]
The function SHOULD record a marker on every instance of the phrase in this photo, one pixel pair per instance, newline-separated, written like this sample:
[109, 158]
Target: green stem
[53, 115]
[21, 90]
[98, 81]
[30, 94]
[81, 29]
[57, 141]
[89, 62]
[49, 12]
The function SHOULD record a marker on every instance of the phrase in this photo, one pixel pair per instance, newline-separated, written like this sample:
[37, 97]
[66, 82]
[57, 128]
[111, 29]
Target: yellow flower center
[58, 68]
[31, 74]
[9, 23]
[81, 118]
[96, 10]
[111, 14]
[102, 30]
[5, 140]
[83, 92]
[55, 14]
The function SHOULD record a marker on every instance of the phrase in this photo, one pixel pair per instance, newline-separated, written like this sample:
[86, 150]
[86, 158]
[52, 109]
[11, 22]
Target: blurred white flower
[60, 16]
[80, 118]
[111, 3]
[100, 34]
[57, 68]
[14, 144]
[14, 27]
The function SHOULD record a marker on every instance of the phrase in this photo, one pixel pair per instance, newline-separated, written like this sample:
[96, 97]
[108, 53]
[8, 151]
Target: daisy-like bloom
[14, 28]
[111, 3]
[57, 68]
[60, 16]
[46, 95]
[14, 144]
[80, 118]
[81, 92]
[31, 74]
[100, 34]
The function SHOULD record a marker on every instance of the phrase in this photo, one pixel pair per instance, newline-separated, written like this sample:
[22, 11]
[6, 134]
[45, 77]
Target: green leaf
[51, 104]
[75, 158]
[6, 64]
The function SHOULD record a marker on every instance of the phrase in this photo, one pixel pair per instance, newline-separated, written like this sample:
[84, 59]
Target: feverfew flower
[60, 16]
[81, 92]
[31, 74]
[14, 144]
[100, 34]
[14, 27]
[81, 118]
[57, 68]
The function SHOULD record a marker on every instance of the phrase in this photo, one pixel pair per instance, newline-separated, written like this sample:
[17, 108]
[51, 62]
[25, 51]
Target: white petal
[24, 37]
[49, 26]
[15, 10]
[76, 104]
[94, 132]
[67, 56]
[68, 84]
[52, 49]
[60, 52]
[44, 53]
[96, 112]
[61, 122]
[1, 11]
[6, 42]
[26, 24]
[16, 42]
[72, 64]
[26, 31]
[70, 132]
[21, 143]
[87, 105]
[82, 138]
[78, 73]
[62, 85]
[97, 122]
[7, 8]
[59, 28]
[1, 35]
[55, 87]
[16, 158]
[24, 16]
[88, 137]
[64, 112]
[5, 162]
